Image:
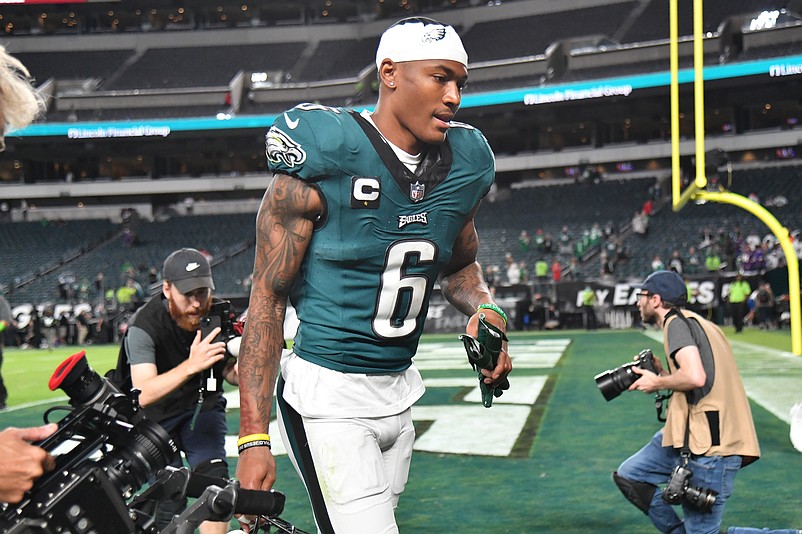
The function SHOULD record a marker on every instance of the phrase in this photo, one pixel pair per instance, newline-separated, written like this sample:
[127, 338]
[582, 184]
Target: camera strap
[197, 409]
[685, 452]
[659, 399]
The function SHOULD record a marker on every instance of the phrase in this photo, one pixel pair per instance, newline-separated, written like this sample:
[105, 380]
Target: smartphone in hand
[209, 323]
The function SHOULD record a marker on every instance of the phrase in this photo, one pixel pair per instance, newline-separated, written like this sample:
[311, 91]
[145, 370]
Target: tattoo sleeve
[284, 227]
[462, 282]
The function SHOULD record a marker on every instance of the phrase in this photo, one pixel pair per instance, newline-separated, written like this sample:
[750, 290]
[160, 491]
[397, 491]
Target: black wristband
[255, 443]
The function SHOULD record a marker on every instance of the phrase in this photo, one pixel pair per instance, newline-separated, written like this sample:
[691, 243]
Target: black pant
[738, 311]
[590, 317]
[3, 391]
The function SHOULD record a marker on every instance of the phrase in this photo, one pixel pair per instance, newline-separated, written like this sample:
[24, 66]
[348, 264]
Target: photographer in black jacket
[179, 372]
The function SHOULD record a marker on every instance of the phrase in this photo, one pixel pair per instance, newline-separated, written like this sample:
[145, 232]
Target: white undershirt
[410, 161]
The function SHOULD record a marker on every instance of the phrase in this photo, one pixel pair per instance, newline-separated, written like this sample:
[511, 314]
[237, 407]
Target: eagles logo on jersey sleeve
[296, 142]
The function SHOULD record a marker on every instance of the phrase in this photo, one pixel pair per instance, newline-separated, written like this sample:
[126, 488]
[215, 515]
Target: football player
[364, 214]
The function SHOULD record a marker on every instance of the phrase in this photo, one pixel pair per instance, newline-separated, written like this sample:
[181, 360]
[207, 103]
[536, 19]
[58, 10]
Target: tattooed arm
[464, 286]
[284, 227]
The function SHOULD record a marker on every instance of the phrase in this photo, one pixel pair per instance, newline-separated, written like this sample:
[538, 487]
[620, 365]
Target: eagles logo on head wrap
[419, 38]
[434, 35]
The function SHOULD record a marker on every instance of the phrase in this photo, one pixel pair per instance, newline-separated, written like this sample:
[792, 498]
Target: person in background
[556, 270]
[588, 307]
[764, 306]
[21, 463]
[739, 293]
[6, 323]
[712, 260]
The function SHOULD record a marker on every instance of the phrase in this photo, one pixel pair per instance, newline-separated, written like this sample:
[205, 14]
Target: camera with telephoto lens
[614, 382]
[680, 491]
[105, 450]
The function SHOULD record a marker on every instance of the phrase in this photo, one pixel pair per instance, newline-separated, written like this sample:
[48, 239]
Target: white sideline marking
[454, 427]
[34, 404]
[452, 434]
[523, 390]
[471, 429]
[539, 354]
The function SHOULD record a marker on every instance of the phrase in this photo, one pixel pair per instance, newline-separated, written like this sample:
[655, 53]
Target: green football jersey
[363, 289]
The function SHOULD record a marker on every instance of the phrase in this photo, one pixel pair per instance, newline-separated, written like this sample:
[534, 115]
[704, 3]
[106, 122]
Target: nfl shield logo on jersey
[416, 191]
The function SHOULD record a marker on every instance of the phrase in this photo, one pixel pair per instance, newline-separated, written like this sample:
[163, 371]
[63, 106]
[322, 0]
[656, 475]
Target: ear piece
[392, 84]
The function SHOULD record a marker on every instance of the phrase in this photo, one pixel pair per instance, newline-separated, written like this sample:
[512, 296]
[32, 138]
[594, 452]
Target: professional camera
[105, 450]
[679, 491]
[614, 382]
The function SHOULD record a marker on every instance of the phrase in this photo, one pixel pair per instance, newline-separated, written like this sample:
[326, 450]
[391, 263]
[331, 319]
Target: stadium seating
[129, 113]
[86, 251]
[74, 65]
[29, 250]
[156, 240]
[669, 231]
[651, 24]
[203, 66]
[549, 208]
[84, 248]
[338, 59]
[529, 36]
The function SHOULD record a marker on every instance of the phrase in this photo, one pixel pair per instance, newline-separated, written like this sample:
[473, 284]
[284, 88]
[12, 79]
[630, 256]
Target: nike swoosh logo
[192, 266]
[293, 124]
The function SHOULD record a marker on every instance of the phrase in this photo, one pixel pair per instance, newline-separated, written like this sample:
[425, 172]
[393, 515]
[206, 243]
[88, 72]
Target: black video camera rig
[106, 450]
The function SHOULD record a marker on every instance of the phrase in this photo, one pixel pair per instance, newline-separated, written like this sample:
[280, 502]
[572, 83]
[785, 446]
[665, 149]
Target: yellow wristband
[252, 437]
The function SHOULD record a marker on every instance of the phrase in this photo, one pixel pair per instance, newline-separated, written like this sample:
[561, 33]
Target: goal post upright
[697, 189]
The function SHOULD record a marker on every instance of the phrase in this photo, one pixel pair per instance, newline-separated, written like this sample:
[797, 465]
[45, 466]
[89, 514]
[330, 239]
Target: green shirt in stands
[541, 268]
[712, 263]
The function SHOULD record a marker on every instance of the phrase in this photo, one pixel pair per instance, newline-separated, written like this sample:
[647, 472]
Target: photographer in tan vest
[709, 433]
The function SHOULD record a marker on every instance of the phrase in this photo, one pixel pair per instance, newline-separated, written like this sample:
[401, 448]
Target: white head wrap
[416, 39]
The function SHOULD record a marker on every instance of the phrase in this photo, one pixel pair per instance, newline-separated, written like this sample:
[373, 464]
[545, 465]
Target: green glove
[483, 353]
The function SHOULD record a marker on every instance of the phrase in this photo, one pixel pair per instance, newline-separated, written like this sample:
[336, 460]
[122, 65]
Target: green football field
[540, 459]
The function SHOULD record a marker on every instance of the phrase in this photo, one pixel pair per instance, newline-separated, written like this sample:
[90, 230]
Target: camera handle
[214, 504]
[170, 484]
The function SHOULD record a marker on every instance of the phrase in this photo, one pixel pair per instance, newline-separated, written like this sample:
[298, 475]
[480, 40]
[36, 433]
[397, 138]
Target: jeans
[653, 464]
[742, 530]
